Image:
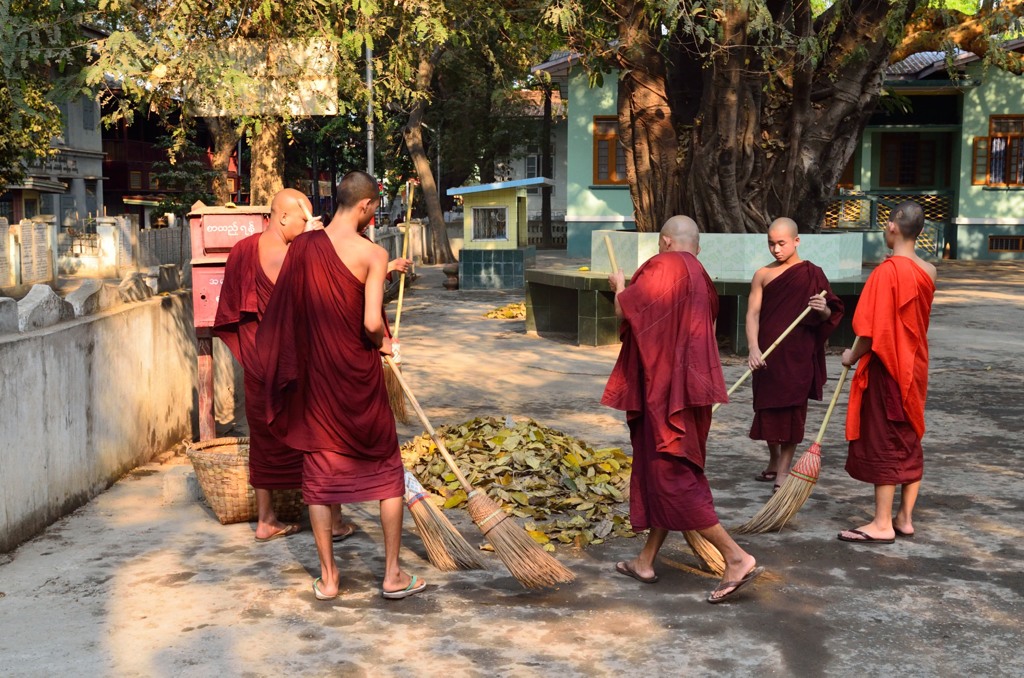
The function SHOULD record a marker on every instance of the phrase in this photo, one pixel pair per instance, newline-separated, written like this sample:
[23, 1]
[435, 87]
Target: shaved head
[784, 225]
[681, 234]
[287, 199]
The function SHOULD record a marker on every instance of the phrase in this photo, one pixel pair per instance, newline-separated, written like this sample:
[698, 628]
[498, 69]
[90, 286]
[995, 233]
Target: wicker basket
[222, 467]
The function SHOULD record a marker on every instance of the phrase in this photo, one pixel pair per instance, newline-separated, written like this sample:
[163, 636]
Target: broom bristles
[524, 558]
[791, 496]
[447, 550]
[396, 396]
[709, 556]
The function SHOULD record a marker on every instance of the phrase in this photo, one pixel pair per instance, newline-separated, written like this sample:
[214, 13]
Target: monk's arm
[373, 321]
[753, 320]
[617, 280]
[862, 346]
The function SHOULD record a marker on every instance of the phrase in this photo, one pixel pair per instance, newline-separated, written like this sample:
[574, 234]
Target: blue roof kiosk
[496, 249]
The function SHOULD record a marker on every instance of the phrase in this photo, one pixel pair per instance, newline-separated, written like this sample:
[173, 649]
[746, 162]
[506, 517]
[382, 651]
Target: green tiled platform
[569, 301]
[494, 269]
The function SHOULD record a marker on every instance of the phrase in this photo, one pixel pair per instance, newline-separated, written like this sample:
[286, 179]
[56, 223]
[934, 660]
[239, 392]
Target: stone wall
[84, 401]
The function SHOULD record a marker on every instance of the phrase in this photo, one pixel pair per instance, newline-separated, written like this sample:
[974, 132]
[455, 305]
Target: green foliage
[185, 176]
[41, 48]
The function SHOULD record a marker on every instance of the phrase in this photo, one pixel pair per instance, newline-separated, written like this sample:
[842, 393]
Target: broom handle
[835, 396]
[611, 254]
[426, 424]
[409, 189]
[785, 333]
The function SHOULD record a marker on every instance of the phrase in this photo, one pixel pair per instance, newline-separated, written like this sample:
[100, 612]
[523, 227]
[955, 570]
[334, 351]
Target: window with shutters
[998, 159]
[908, 161]
[609, 156]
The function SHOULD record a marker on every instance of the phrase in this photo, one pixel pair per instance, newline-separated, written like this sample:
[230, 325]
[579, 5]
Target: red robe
[795, 370]
[666, 378]
[243, 300]
[885, 419]
[326, 392]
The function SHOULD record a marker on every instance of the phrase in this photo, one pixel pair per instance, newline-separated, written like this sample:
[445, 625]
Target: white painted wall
[85, 401]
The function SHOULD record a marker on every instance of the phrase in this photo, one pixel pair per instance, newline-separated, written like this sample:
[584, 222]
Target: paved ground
[138, 584]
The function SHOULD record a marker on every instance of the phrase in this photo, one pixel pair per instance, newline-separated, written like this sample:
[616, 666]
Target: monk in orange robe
[667, 377]
[885, 419]
[321, 340]
[779, 292]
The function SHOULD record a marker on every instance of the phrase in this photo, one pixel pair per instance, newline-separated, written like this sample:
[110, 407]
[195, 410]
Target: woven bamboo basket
[222, 467]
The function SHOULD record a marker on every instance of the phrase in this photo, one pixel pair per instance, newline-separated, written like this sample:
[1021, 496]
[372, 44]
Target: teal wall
[590, 207]
[986, 211]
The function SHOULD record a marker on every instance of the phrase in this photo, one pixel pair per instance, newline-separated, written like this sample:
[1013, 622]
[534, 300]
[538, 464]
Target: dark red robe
[795, 370]
[885, 419]
[326, 392]
[666, 378]
[243, 299]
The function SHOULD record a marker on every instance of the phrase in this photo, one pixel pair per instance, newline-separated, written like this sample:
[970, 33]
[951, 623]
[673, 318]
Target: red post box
[214, 231]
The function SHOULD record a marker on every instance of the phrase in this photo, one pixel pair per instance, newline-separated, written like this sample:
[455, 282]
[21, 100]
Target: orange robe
[243, 299]
[666, 378]
[885, 419]
[795, 370]
[326, 393]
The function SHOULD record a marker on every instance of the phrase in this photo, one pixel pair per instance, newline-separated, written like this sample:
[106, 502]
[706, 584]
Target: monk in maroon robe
[885, 419]
[321, 340]
[667, 377]
[249, 275]
[795, 370]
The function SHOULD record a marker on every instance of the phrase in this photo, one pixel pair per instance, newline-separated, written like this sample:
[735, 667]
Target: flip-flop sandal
[754, 573]
[344, 535]
[410, 590]
[766, 476]
[288, 531]
[864, 538]
[901, 533]
[622, 567]
[320, 596]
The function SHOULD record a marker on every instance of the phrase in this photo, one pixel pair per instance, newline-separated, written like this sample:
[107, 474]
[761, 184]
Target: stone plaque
[6, 269]
[35, 252]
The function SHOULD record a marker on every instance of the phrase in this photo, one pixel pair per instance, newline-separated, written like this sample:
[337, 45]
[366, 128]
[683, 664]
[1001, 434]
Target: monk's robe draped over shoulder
[326, 392]
[894, 311]
[885, 420]
[669, 359]
[795, 370]
[244, 296]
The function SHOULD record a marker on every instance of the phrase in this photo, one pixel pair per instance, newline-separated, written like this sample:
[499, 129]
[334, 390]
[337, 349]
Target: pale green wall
[1001, 93]
[590, 207]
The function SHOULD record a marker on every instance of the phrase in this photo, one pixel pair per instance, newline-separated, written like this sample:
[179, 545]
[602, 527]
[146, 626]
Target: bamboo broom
[396, 399]
[785, 333]
[797, 487]
[446, 547]
[523, 557]
[706, 552]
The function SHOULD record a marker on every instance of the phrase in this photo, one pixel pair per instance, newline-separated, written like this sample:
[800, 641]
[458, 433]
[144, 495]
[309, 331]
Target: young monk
[885, 419]
[321, 340]
[667, 377]
[249, 276]
[795, 371]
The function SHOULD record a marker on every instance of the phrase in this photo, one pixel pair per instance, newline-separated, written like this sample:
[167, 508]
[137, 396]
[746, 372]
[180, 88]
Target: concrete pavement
[144, 582]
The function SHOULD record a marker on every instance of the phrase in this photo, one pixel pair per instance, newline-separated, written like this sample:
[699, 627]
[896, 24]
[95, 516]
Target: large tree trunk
[267, 160]
[225, 140]
[439, 249]
[735, 141]
[646, 127]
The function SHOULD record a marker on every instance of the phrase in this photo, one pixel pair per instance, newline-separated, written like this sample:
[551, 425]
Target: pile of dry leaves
[564, 490]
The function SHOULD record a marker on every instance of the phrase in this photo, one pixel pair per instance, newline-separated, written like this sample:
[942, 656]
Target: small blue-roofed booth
[495, 250]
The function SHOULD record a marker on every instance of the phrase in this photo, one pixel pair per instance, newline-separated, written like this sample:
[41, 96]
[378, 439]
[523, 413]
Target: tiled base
[494, 269]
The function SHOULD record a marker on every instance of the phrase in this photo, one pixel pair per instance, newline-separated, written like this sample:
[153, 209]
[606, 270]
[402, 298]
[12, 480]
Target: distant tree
[185, 177]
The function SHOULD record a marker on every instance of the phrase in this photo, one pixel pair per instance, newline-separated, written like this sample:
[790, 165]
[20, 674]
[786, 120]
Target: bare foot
[322, 590]
[342, 532]
[903, 529]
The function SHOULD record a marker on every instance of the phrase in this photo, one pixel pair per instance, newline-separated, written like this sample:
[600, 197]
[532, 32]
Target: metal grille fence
[866, 210]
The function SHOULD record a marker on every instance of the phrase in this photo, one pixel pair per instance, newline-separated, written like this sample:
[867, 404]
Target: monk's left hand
[819, 305]
[617, 280]
[847, 358]
[399, 264]
[313, 224]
